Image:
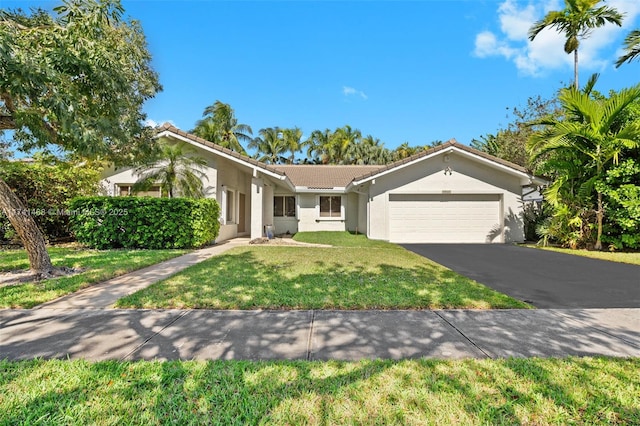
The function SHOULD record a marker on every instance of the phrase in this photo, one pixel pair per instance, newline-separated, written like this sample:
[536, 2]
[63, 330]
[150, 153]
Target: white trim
[331, 218]
[510, 170]
[255, 169]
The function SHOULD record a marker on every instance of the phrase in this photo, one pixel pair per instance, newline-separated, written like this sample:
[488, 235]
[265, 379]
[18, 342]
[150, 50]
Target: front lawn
[359, 274]
[100, 265]
[632, 258]
[508, 391]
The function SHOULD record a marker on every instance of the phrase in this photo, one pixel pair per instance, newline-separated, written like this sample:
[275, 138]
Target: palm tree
[292, 139]
[176, 170]
[632, 48]
[591, 135]
[576, 21]
[220, 126]
[270, 145]
[319, 145]
[405, 150]
[343, 141]
[370, 150]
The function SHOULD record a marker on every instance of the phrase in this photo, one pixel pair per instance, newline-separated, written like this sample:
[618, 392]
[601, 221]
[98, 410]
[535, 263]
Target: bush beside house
[45, 188]
[144, 222]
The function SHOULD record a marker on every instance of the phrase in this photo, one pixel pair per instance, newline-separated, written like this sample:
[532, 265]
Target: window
[124, 190]
[284, 206]
[230, 207]
[330, 206]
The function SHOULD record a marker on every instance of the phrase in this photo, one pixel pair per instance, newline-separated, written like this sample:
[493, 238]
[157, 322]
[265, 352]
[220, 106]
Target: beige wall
[308, 215]
[428, 177]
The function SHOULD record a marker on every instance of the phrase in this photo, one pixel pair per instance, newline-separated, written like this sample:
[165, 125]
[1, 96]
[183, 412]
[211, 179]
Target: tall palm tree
[319, 145]
[370, 150]
[343, 141]
[292, 139]
[593, 134]
[576, 21]
[632, 48]
[176, 169]
[220, 126]
[270, 145]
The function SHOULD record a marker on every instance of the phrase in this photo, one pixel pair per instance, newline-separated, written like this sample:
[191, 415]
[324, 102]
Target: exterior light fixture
[448, 171]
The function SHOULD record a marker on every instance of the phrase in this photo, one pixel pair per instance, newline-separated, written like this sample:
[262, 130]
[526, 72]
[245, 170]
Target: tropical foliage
[576, 21]
[78, 79]
[580, 151]
[176, 169]
[45, 186]
[632, 48]
[220, 126]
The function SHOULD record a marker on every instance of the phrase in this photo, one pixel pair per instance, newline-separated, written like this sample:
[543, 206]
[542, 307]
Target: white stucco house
[450, 193]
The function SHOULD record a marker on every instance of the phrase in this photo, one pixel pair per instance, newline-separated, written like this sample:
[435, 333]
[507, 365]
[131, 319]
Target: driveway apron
[542, 278]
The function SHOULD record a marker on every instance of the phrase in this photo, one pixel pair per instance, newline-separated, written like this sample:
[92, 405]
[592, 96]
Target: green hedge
[144, 222]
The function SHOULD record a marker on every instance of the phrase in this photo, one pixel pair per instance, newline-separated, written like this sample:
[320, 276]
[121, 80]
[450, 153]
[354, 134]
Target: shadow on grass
[380, 392]
[244, 281]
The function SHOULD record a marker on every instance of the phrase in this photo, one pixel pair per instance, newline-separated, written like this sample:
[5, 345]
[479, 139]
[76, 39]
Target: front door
[241, 214]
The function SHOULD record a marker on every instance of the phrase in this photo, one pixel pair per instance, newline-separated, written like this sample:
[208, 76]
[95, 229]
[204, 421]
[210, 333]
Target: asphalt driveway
[542, 278]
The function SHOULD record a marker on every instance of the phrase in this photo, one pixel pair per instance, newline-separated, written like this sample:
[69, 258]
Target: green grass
[469, 392]
[100, 265]
[339, 239]
[632, 258]
[360, 274]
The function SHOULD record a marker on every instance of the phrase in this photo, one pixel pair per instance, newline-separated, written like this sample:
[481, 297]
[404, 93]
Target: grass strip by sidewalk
[470, 392]
[360, 275]
[100, 265]
[632, 258]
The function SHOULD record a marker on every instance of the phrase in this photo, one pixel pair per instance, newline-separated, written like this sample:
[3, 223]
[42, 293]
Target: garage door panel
[472, 218]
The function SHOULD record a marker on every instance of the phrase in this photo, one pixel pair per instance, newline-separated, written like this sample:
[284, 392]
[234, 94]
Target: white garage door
[444, 218]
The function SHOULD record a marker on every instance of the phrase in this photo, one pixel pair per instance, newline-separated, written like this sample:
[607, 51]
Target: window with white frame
[231, 207]
[330, 206]
[284, 206]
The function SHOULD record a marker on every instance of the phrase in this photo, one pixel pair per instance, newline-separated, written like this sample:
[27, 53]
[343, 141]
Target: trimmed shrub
[45, 188]
[144, 222]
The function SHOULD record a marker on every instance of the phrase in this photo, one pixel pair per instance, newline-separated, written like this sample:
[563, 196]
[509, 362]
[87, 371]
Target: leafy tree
[221, 127]
[576, 21]
[177, 170]
[585, 142]
[270, 145]
[45, 186]
[319, 145]
[632, 48]
[293, 141]
[370, 150]
[510, 143]
[78, 80]
[405, 150]
[342, 143]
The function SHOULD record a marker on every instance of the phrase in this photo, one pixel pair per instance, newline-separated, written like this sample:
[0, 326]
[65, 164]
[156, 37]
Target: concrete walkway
[99, 334]
[80, 326]
[105, 294]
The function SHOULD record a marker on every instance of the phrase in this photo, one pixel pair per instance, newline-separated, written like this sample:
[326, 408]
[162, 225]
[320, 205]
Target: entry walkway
[105, 294]
[100, 334]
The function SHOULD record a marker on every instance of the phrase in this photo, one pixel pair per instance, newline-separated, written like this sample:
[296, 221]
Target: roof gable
[450, 146]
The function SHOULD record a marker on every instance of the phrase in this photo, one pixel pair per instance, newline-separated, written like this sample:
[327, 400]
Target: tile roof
[197, 139]
[335, 176]
[323, 176]
[449, 144]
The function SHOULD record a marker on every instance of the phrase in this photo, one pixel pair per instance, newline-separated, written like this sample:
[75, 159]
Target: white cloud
[350, 91]
[546, 51]
[153, 123]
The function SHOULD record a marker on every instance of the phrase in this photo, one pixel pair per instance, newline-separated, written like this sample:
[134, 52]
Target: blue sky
[415, 71]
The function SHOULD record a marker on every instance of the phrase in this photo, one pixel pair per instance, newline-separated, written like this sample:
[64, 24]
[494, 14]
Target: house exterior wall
[309, 220]
[428, 177]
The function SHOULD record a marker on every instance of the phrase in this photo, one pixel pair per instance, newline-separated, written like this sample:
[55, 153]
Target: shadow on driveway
[542, 278]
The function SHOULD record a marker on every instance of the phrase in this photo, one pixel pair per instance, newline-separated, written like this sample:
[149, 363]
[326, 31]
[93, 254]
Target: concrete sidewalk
[99, 334]
[105, 294]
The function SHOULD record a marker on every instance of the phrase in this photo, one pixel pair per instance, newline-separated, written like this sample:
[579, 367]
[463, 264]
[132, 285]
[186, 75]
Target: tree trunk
[28, 231]
[599, 217]
[575, 69]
